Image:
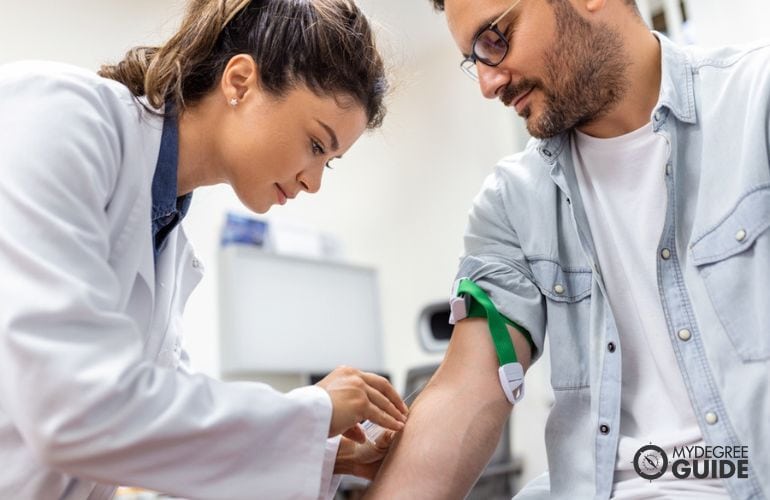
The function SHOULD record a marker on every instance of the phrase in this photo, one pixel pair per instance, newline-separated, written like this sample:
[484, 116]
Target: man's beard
[585, 71]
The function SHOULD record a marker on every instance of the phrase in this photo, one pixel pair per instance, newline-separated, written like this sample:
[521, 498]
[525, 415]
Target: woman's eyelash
[317, 148]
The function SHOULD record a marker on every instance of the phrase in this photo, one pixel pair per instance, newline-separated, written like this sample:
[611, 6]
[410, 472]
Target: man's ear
[594, 5]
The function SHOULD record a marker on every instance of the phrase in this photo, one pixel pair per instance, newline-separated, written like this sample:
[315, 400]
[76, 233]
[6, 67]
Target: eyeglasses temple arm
[501, 16]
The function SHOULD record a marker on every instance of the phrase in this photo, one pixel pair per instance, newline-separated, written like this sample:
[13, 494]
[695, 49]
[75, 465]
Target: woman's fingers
[358, 396]
[356, 433]
[383, 441]
[386, 389]
[384, 404]
[382, 418]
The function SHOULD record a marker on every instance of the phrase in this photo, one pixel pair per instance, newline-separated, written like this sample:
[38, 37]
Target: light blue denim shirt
[528, 244]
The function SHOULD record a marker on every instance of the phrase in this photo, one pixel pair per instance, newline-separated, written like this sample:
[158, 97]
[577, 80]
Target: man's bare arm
[455, 424]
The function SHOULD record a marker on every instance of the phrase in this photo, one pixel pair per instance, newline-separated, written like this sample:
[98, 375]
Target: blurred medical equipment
[243, 230]
[293, 316]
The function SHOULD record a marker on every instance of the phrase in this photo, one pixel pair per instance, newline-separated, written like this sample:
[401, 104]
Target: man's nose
[492, 80]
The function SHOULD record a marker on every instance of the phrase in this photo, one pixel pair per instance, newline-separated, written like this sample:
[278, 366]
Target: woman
[97, 173]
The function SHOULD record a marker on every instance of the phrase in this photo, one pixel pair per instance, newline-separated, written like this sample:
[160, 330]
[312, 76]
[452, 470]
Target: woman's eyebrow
[334, 142]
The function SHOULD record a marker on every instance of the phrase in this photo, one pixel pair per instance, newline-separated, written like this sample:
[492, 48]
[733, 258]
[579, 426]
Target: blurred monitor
[285, 314]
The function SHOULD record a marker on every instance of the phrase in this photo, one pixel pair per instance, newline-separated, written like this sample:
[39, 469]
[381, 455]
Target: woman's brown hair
[327, 45]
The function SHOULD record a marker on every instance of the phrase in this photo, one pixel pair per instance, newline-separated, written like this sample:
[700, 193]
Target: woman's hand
[362, 459]
[358, 396]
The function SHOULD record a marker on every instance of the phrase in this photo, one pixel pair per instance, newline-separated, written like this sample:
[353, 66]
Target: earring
[234, 102]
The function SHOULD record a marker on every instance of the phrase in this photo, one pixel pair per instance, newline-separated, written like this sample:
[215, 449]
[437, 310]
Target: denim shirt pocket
[567, 291]
[733, 258]
[561, 284]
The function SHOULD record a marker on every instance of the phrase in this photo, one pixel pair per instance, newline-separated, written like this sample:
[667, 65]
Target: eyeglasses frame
[468, 63]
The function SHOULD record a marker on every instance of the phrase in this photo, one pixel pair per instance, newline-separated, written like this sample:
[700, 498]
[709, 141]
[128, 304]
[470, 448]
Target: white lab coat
[94, 389]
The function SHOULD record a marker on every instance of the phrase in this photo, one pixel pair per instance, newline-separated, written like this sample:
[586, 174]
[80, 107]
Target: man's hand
[363, 458]
[358, 396]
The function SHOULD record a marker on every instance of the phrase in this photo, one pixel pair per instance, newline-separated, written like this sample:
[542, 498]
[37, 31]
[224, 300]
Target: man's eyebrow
[332, 135]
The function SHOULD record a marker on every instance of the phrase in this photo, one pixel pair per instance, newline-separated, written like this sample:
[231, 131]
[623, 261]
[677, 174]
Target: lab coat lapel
[132, 257]
[146, 269]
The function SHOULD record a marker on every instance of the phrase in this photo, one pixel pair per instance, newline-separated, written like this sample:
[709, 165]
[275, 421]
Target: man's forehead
[466, 17]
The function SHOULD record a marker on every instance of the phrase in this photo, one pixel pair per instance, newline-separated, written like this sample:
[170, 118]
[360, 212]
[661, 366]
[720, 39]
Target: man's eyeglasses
[489, 47]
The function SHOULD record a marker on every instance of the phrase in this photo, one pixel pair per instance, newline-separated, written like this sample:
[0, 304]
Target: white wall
[83, 32]
[716, 22]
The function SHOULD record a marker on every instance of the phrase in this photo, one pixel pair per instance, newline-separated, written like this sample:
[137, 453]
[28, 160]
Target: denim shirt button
[611, 347]
[658, 116]
[711, 418]
[740, 235]
[558, 289]
[665, 253]
[604, 429]
[684, 334]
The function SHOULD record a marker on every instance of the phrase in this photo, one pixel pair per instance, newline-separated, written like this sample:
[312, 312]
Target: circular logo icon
[650, 462]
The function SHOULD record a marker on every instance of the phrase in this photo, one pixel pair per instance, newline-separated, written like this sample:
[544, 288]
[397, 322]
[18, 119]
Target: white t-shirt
[622, 184]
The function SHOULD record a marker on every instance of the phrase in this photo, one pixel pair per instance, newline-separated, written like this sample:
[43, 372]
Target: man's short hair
[439, 4]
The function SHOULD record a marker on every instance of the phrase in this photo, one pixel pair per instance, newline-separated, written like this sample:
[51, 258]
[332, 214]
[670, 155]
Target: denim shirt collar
[676, 94]
[676, 83]
[168, 209]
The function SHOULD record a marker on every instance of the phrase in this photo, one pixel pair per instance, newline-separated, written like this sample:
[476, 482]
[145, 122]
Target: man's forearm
[440, 455]
[453, 427]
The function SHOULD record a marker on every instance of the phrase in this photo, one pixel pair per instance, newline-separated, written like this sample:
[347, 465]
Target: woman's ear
[240, 78]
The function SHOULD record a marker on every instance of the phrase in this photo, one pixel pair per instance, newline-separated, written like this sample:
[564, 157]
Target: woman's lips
[281, 195]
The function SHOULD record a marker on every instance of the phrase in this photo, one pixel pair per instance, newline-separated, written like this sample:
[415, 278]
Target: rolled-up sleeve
[494, 260]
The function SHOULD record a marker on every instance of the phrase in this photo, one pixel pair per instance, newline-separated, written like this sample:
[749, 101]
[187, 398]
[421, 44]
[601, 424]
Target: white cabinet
[280, 314]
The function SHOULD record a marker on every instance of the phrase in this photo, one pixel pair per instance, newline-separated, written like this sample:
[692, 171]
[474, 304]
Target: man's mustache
[512, 91]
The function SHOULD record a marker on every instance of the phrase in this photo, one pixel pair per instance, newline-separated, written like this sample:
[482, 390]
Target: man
[635, 229]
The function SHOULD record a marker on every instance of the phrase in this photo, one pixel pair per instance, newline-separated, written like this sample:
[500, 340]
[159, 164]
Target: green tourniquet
[482, 307]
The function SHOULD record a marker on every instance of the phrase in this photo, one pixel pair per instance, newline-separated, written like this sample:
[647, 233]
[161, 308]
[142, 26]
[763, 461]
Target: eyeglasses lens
[490, 47]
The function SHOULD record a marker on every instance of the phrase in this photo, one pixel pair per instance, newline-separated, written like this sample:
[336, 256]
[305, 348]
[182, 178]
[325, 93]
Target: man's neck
[644, 75]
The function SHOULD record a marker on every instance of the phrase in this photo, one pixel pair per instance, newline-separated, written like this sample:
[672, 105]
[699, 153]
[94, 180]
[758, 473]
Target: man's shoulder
[729, 58]
[730, 80]
[522, 180]
[526, 169]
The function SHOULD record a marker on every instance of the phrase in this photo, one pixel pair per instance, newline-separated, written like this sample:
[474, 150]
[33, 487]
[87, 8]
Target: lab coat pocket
[568, 293]
[733, 258]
